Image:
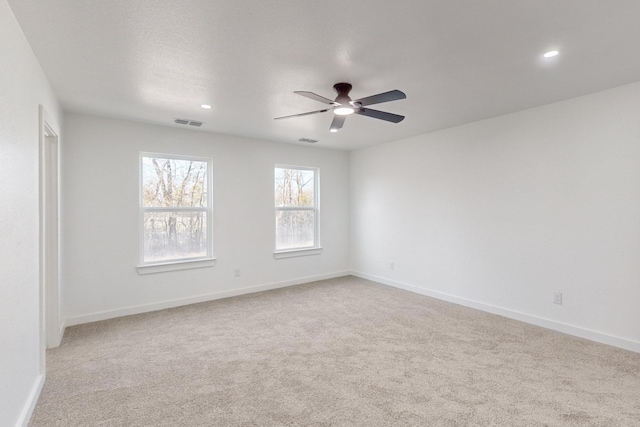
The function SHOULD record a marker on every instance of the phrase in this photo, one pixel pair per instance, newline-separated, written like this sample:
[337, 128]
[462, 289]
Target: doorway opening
[50, 332]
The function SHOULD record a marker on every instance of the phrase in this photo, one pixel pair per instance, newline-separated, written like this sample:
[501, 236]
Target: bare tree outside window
[296, 208]
[175, 208]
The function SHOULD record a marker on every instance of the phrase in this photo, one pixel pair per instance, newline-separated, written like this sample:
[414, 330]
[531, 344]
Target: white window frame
[316, 249]
[183, 263]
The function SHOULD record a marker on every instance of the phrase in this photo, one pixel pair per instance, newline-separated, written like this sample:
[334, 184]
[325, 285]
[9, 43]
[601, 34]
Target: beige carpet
[342, 352]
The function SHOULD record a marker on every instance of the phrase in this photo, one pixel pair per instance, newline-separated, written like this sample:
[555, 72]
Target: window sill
[175, 266]
[297, 252]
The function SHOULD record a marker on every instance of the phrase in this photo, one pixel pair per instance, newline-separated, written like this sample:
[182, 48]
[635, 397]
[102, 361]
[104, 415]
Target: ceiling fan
[343, 105]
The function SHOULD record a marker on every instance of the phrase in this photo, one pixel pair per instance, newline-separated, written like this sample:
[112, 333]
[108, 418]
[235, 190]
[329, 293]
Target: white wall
[501, 213]
[100, 217]
[23, 86]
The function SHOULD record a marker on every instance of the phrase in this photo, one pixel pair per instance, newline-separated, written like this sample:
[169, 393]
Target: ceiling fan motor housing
[342, 89]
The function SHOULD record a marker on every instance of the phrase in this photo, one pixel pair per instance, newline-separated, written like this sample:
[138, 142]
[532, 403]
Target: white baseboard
[30, 404]
[511, 314]
[104, 315]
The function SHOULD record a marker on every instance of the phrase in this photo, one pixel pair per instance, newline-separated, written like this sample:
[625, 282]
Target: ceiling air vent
[188, 122]
[307, 140]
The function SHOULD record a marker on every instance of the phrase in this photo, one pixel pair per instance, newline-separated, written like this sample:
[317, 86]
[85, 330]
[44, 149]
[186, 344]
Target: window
[175, 209]
[296, 203]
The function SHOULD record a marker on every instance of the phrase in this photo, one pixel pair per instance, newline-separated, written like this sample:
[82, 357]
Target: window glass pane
[174, 235]
[173, 182]
[294, 229]
[294, 187]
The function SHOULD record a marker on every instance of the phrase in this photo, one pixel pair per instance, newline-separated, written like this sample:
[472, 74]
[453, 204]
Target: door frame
[49, 148]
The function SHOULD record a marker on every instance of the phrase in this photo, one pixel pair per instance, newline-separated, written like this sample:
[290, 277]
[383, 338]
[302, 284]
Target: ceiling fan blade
[303, 114]
[392, 95]
[315, 97]
[390, 117]
[337, 122]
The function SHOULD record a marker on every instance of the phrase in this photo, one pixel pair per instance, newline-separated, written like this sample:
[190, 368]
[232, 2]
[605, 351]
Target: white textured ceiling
[458, 61]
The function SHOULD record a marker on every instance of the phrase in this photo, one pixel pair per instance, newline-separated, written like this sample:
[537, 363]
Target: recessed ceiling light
[551, 54]
[333, 130]
[206, 106]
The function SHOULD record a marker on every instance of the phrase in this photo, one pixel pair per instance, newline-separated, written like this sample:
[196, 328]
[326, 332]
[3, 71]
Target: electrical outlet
[392, 265]
[236, 272]
[557, 298]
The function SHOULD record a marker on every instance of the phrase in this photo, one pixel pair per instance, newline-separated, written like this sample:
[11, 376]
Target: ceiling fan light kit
[343, 105]
[343, 111]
